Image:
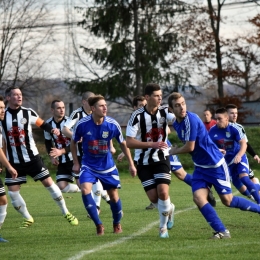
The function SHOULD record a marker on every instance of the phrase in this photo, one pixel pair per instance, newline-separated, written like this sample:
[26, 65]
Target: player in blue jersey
[210, 166]
[230, 137]
[96, 132]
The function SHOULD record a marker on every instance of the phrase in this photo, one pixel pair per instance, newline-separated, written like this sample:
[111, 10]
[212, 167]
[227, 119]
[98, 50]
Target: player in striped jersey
[147, 133]
[60, 154]
[229, 136]
[6, 164]
[97, 190]
[96, 132]
[210, 166]
[23, 155]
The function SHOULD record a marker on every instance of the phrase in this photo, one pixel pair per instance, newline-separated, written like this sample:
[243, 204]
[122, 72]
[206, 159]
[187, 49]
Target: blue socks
[253, 189]
[91, 208]
[116, 209]
[244, 204]
[212, 218]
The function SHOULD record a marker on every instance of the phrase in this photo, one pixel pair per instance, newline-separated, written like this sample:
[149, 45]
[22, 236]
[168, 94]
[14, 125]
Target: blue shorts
[108, 180]
[206, 177]
[175, 163]
[242, 167]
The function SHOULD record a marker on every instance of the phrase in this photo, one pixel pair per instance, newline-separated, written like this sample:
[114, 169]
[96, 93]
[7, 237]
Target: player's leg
[15, 196]
[65, 178]
[3, 204]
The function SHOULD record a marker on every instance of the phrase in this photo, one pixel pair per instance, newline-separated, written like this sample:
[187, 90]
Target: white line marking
[123, 239]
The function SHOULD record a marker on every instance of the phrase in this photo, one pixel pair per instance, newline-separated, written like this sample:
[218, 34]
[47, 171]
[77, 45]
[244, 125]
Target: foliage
[138, 38]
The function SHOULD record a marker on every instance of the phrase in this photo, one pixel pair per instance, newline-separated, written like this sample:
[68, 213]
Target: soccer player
[233, 114]
[210, 166]
[23, 155]
[230, 138]
[147, 132]
[96, 131]
[6, 164]
[60, 154]
[208, 121]
[97, 190]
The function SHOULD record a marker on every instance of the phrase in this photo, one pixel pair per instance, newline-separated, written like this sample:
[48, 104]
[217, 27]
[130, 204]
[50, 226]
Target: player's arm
[112, 148]
[46, 127]
[128, 156]
[186, 148]
[252, 152]
[49, 146]
[73, 150]
[131, 142]
[67, 132]
[7, 165]
[242, 151]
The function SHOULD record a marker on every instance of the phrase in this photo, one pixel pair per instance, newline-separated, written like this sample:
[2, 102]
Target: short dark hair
[221, 110]
[150, 88]
[87, 94]
[2, 98]
[228, 106]
[9, 90]
[173, 96]
[54, 101]
[136, 99]
[208, 109]
[93, 100]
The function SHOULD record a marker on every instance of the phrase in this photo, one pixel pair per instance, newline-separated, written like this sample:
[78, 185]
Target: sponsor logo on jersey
[23, 121]
[162, 120]
[105, 134]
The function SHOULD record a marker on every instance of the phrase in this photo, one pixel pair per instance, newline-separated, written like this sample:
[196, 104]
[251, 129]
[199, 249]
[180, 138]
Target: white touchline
[123, 239]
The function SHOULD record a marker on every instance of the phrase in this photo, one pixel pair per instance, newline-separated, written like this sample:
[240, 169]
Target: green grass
[51, 237]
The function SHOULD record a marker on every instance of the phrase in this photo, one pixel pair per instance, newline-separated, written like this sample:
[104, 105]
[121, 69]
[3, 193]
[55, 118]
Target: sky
[235, 24]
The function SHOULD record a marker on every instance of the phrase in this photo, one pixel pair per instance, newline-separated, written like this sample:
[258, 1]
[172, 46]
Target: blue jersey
[228, 139]
[205, 154]
[96, 142]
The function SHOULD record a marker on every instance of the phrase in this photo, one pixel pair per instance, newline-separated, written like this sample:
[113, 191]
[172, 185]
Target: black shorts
[2, 188]
[35, 168]
[153, 174]
[64, 172]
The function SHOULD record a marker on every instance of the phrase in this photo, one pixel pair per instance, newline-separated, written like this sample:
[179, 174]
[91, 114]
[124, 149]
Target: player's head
[2, 108]
[177, 105]
[207, 114]
[221, 117]
[58, 109]
[98, 105]
[232, 112]
[85, 97]
[138, 101]
[14, 97]
[153, 94]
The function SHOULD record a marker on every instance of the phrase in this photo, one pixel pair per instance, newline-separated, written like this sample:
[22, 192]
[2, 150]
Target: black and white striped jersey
[60, 141]
[146, 127]
[75, 116]
[17, 133]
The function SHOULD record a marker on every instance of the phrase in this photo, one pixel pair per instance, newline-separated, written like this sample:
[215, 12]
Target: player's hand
[132, 170]
[76, 168]
[223, 151]
[237, 159]
[256, 157]
[120, 157]
[55, 131]
[55, 152]
[159, 145]
[54, 161]
[172, 150]
[13, 172]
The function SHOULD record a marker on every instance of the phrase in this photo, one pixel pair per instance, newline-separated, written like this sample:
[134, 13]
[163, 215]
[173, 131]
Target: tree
[138, 39]
[20, 55]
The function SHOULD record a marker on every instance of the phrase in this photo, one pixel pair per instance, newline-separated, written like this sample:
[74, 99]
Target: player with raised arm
[210, 166]
[96, 132]
[24, 157]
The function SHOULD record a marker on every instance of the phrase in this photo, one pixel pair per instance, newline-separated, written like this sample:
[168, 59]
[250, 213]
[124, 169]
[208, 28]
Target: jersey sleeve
[191, 125]
[77, 133]
[133, 125]
[33, 116]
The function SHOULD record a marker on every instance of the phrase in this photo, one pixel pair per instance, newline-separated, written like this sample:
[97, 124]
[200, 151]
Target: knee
[226, 200]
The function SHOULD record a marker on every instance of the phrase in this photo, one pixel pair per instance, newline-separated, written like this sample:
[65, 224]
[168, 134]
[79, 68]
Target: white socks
[58, 198]
[71, 188]
[19, 204]
[2, 214]
[164, 208]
